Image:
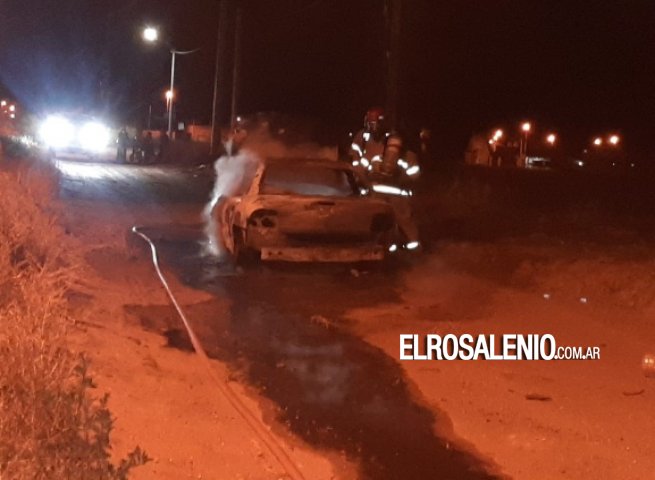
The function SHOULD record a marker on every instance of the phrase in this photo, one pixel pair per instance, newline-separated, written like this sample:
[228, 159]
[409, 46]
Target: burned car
[306, 210]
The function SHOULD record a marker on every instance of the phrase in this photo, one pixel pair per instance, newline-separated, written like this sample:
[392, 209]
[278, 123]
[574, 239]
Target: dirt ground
[537, 420]
[163, 399]
[533, 420]
[590, 419]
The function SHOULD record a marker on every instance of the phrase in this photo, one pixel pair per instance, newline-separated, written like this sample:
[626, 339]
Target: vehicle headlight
[57, 132]
[94, 136]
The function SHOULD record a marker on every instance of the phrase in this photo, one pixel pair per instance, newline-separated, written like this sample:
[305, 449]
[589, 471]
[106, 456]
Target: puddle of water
[333, 390]
[336, 391]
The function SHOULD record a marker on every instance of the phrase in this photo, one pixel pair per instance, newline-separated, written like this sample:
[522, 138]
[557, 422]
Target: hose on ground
[260, 430]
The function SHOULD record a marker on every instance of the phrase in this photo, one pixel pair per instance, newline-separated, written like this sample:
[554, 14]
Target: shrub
[51, 424]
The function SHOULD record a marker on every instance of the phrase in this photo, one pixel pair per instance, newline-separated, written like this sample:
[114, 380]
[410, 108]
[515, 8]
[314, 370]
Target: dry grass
[51, 424]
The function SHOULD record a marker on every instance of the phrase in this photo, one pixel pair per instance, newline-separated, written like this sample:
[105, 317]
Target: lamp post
[151, 35]
[169, 105]
[525, 127]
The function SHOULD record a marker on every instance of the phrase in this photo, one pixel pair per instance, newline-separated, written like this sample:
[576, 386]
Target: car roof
[318, 162]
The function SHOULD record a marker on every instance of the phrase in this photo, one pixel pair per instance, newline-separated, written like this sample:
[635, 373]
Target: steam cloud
[235, 170]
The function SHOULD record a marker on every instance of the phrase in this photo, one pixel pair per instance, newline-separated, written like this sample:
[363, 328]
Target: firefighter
[369, 143]
[390, 166]
[379, 152]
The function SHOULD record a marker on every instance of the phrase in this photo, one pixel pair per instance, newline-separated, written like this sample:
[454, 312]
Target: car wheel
[243, 254]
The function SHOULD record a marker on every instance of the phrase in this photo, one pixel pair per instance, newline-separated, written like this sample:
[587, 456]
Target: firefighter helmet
[374, 115]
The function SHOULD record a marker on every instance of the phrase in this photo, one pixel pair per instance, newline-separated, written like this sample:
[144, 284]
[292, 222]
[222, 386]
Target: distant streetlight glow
[3, 103]
[523, 147]
[551, 138]
[12, 108]
[498, 134]
[150, 34]
[614, 139]
[598, 141]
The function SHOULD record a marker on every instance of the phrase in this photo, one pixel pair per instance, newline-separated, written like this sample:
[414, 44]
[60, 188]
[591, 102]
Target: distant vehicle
[538, 162]
[307, 210]
[75, 136]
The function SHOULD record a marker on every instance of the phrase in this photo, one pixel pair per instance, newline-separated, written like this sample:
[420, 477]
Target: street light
[551, 138]
[614, 139]
[169, 100]
[498, 134]
[598, 141]
[526, 127]
[151, 35]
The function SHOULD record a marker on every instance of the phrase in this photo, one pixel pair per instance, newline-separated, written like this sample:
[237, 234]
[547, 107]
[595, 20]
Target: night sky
[579, 66]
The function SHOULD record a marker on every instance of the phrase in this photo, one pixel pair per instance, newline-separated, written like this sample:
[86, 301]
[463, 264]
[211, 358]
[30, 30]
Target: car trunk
[329, 220]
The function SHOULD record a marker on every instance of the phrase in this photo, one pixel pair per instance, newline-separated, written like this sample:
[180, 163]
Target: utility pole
[220, 111]
[394, 14]
[172, 95]
[236, 64]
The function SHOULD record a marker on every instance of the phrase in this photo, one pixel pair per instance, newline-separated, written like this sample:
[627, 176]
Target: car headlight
[57, 132]
[94, 136]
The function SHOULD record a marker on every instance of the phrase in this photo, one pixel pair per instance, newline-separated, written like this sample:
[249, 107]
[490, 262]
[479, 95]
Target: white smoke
[260, 142]
[235, 171]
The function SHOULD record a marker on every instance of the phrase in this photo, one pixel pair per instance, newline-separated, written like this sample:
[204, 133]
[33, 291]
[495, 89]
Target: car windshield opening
[308, 180]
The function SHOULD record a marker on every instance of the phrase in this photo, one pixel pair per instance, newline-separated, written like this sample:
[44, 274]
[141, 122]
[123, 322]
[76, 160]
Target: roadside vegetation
[53, 423]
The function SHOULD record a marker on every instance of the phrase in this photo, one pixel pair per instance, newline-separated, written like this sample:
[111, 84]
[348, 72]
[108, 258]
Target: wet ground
[285, 334]
[282, 330]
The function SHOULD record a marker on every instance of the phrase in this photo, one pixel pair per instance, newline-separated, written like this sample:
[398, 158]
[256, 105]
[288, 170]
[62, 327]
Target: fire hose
[259, 429]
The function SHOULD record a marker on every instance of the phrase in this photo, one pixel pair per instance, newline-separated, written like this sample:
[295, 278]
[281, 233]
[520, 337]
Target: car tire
[243, 255]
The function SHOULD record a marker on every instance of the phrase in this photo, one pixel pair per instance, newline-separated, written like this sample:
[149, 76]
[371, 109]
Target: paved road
[134, 183]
